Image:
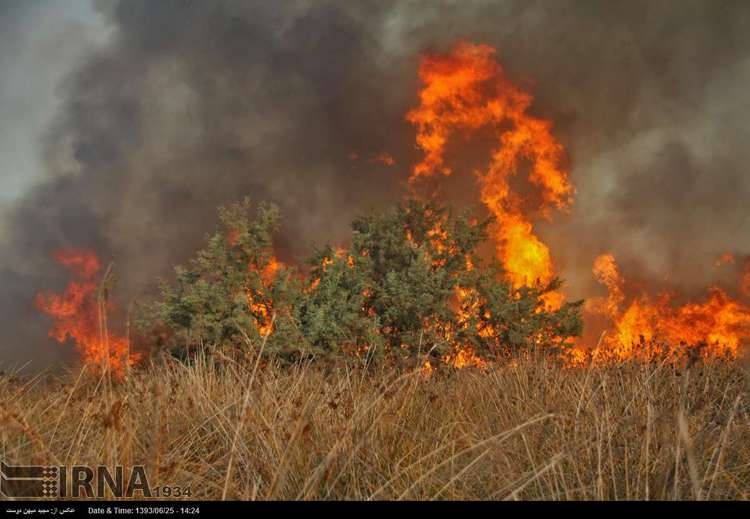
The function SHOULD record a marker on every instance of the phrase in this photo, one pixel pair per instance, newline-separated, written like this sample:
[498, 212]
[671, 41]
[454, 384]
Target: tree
[410, 282]
[234, 289]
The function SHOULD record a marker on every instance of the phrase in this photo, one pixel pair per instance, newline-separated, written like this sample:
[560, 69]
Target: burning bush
[410, 283]
[232, 289]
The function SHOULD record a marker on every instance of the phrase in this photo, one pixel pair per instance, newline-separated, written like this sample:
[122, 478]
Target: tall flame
[79, 316]
[464, 92]
[467, 90]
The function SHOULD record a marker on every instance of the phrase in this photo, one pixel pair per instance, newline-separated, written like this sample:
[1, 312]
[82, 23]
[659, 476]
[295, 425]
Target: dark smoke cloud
[195, 104]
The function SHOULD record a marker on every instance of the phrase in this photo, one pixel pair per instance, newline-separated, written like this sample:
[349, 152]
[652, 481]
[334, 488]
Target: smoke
[191, 105]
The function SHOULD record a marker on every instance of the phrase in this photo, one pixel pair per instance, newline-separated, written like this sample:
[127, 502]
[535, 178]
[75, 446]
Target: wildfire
[463, 355]
[80, 315]
[465, 91]
[727, 258]
[384, 158]
[262, 310]
[606, 272]
[657, 327]
[462, 93]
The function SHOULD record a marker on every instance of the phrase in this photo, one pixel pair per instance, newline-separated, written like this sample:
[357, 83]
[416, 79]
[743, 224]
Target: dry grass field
[531, 429]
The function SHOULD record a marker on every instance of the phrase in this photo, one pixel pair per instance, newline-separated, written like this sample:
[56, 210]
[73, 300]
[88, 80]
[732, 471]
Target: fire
[465, 91]
[269, 271]
[607, 273]
[385, 159]
[79, 315]
[658, 327]
[262, 310]
[463, 355]
[727, 258]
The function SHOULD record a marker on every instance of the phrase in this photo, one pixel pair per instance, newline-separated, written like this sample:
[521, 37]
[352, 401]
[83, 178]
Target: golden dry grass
[527, 430]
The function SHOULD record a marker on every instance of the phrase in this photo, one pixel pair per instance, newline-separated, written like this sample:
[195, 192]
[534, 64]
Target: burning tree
[466, 91]
[410, 283]
[233, 289]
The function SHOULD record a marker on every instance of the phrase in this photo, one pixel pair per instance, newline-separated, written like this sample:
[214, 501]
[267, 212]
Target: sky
[124, 124]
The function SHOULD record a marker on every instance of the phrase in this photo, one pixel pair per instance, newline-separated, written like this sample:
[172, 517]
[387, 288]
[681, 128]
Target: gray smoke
[192, 105]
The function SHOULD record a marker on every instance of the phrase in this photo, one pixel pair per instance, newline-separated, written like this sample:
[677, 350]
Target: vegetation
[410, 283]
[313, 386]
[528, 429]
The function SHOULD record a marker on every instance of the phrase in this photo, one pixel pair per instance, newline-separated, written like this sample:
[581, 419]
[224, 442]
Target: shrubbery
[410, 283]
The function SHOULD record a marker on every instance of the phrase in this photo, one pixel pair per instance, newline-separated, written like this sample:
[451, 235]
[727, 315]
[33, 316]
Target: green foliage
[411, 281]
[395, 290]
[232, 290]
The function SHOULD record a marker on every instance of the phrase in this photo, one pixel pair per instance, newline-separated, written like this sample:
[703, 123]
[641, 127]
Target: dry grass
[529, 430]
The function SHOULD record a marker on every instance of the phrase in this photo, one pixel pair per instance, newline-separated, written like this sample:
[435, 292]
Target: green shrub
[410, 282]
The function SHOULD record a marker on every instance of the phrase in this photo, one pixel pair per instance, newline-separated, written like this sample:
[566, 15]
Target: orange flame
[463, 355]
[606, 272]
[78, 316]
[384, 158]
[727, 258]
[659, 328]
[467, 90]
[463, 92]
[263, 309]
